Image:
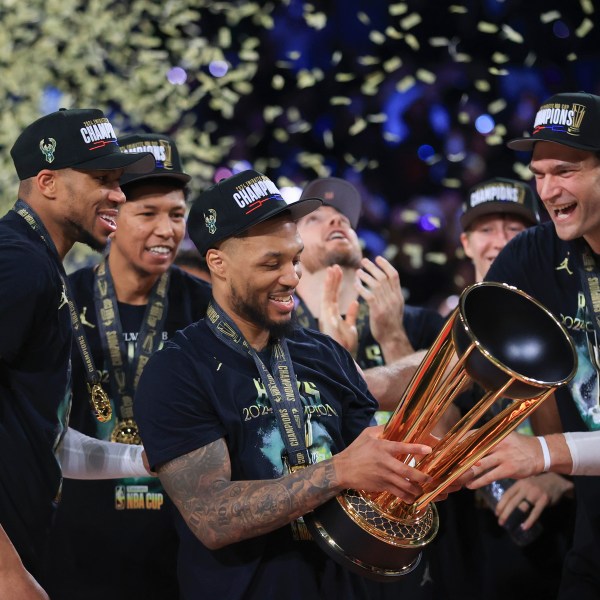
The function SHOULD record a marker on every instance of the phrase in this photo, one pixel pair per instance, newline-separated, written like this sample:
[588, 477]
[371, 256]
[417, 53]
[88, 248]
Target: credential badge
[211, 220]
[48, 149]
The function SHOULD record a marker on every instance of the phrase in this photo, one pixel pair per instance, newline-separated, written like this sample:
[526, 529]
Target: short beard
[251, 313]
[343, 259]
[85, 237]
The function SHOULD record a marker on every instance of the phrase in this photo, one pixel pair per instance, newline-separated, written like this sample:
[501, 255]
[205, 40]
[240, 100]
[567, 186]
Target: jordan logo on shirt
[564, 266]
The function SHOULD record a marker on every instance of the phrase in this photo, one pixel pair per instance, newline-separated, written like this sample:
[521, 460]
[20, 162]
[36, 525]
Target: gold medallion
[126, 432]
[100, 403]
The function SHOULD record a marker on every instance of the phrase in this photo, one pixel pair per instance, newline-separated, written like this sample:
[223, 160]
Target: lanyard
[123, 375]
[280, 384]
[98, 398]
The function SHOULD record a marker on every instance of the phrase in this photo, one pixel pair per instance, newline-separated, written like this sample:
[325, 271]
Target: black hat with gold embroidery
[500, 195]
[82, 139]
[571, 119]
[237, 203]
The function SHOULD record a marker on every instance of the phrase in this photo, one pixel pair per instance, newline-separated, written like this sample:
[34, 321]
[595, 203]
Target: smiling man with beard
[252, 423]
[129, 305]
[69, 164]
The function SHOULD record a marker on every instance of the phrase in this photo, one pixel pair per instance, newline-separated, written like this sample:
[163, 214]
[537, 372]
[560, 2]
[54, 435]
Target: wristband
[545, 452]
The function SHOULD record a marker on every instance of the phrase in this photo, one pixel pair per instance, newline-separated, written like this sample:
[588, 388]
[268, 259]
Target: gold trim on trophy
[126, 431]
[510, 345]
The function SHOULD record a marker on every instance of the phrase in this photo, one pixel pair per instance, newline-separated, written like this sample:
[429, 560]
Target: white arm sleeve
[84, 457]
[585, 451]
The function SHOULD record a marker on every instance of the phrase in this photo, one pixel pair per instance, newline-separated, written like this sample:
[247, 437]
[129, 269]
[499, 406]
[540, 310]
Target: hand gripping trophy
[498, 337]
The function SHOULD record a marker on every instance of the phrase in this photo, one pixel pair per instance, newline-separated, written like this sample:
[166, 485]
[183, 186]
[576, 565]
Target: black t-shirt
[197, 390]
[35, 344]
[543, 266]
[123, 524]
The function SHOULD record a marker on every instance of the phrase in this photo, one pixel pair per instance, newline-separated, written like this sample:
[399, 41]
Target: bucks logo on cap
[211, 221]
[48, 149]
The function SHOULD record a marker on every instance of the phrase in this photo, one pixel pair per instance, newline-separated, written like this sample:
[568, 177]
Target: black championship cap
[336, 192]
[500, 195]
[237, 203]
[568, 119]
[163, 148]
[80, 139]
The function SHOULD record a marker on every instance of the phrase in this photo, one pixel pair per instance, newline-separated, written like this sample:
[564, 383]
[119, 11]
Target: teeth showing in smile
[337, 236]
[159, 249]
[281, 298]
[564, 211]
[109, 220]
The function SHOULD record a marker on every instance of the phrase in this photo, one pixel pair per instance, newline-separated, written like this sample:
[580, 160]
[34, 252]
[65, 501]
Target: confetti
[397, 9]
[512, 35]
[410, 21]
[425, 76]
[550, 16]
[584, 28]
[461, 10]
[587, 6]
[486, 27]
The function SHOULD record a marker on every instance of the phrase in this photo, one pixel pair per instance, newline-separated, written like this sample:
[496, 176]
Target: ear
[464, 240]
[216, 262]
[47, 182]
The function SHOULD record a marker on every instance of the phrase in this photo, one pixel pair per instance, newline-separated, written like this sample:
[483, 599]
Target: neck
[131, 286]
[311, 285]
[61, 241]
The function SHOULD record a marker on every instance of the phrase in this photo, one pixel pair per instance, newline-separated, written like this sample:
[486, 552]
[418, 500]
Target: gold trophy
[498, 337]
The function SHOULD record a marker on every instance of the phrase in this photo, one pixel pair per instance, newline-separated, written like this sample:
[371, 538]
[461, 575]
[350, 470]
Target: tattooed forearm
[220, 512]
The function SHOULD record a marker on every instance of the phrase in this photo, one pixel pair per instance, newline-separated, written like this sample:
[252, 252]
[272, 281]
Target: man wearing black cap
[251, 422]
[69, 164]
[557, 263]
[337, 280]
[129, 305]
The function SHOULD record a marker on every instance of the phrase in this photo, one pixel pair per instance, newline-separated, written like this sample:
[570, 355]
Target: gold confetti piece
[486, 27]
[392, 64]
[584, 28]
[405, 83]
[368, 60]
[281, 135]
[460, 10]
[377, 118]
[305, 79]
[410, 215]
[340, 101]
[270, 113]
[437, 258]
[412, 41]
[224, 37]
[410, 21]
[438, 42]
[587, 6]
[462, 57]
[316, 20]
[497, 106]
[425, 76]
[451, 182]
[336, 57]
[550, 16]
[499, 72]
[364, 18]
[390, 137]
[482, 85]
[328, 139]
[499, 58]
[278, 82]
[572, 56]
[522, 171]
[500, 129]
[358, 126]
[377, 37]
[343, 77]
[294, 55]
[530, 59]
[494, 140]
[393, 34]
[512, 35]
[464, 118]
[397, 9]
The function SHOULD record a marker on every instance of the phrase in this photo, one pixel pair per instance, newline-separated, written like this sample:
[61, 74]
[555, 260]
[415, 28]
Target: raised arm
[220, 512]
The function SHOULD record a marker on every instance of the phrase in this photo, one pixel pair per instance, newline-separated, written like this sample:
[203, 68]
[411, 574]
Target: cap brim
[527, 144]
[131, 177]
[139, 162]
[491, 208]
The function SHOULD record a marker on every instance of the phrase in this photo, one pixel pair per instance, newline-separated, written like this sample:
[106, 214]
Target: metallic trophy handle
[498, 337]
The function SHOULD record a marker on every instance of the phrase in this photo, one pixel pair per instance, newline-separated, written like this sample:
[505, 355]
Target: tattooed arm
[220, 511]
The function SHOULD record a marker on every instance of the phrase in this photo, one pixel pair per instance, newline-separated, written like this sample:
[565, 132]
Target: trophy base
[353, 532]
